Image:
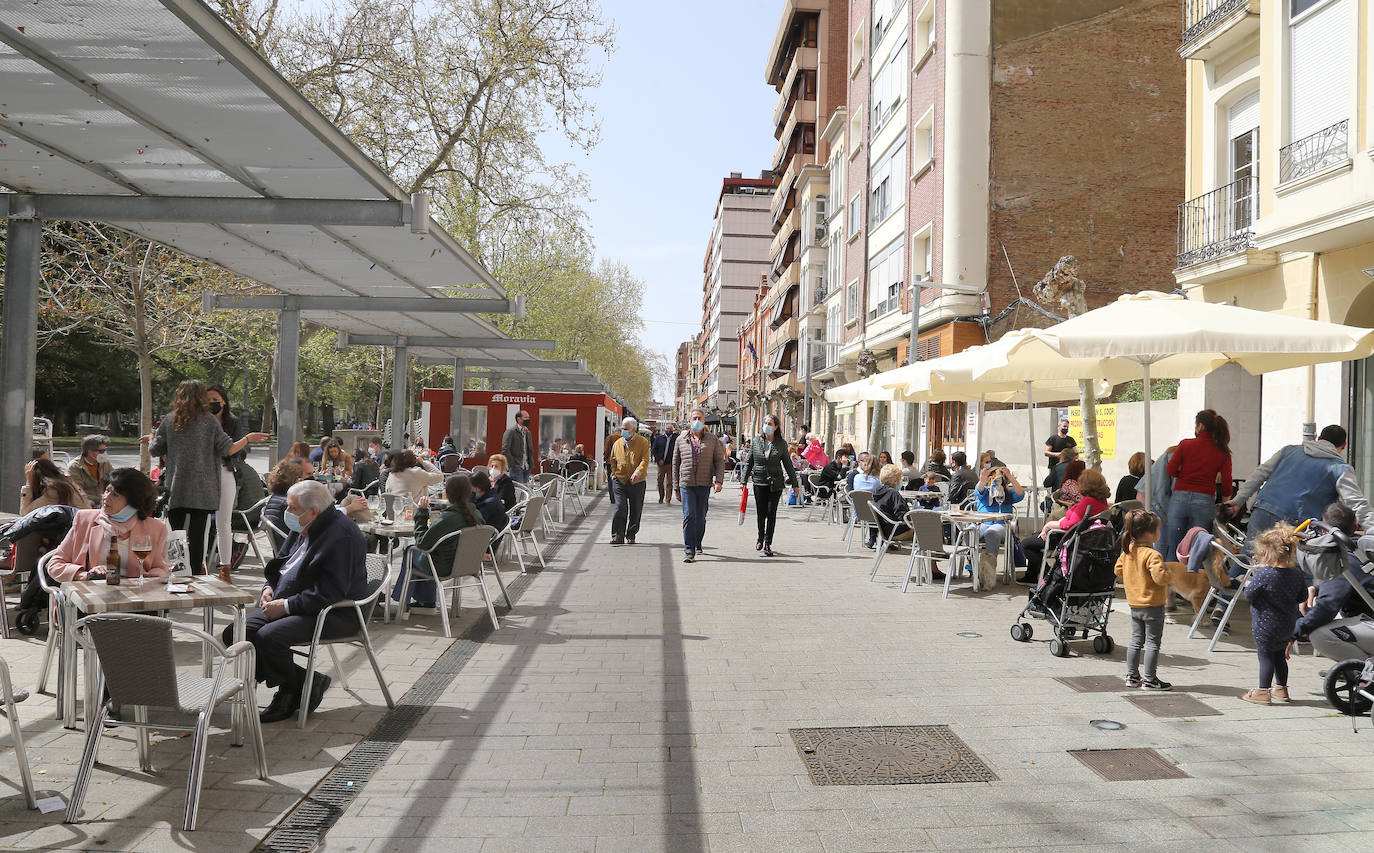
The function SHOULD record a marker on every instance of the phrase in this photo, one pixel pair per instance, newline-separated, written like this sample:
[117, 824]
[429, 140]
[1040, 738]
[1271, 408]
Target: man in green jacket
[629, 467]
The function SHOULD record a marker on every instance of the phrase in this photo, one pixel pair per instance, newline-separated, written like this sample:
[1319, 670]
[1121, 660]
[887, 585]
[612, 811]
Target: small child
[1275, 590]
[1146, 578]
[930, 485]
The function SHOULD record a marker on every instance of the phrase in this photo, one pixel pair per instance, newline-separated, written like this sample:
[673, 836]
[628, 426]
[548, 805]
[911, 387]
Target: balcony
[785, 332]
[1216, 234]
[803, 59]
[1212, 27]
[790, 226]
[1310, 155]
[784, 196]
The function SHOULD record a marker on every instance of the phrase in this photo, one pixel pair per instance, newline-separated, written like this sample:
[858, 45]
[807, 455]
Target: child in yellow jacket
[1146, 578]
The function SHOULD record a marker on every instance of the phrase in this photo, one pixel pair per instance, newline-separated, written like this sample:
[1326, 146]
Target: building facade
[753, 370]
[979, 142]
[680, 374]
[1279, 210]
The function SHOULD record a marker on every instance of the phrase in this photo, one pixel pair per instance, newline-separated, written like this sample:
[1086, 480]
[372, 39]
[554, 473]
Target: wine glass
[141, 545]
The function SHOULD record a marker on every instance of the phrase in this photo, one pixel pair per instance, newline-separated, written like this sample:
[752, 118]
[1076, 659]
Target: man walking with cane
[629, 468]
[698, 460]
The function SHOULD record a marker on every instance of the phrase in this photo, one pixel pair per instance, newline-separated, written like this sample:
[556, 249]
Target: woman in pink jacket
[125, 512]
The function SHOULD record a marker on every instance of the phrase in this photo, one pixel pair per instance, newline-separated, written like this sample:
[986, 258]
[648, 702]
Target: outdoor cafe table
[393, 533]
[967, 524]
[205, 592]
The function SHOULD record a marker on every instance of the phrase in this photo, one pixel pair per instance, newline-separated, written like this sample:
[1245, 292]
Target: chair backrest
[574, 467]
[378, 570]
[533, 507]
[575, 482]
[929, 529]
[450, 463]
[553, 489]
[544, 478]
[472, 544]
[863, 506]
[136, 657]
[481, 468]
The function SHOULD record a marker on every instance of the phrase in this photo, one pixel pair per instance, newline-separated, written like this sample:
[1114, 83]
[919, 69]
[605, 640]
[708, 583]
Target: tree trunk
[145, 408]
[1092, 451]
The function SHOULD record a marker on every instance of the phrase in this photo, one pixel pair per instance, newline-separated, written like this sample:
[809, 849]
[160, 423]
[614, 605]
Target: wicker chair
[378, 573]
[138, 666]
[12, 697]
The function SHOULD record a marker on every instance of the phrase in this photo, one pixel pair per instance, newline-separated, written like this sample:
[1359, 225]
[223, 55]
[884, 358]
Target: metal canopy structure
[154, 116]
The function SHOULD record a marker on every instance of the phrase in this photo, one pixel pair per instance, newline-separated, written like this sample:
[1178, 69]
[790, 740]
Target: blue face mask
[698, 426]
[123, 515]
[626, 433]
[293, 521]
[768, 430]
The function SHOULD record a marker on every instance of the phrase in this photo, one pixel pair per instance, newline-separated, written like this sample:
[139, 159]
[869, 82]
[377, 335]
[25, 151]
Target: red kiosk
[557, 420]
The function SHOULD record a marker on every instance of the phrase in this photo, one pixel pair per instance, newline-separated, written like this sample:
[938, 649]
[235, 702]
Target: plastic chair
[138, 666]
[467, 563]
[378, 573]
[530, 509]
[929, 545]
[860, 515]
[884, 542]
[12, 697]
[574, 489]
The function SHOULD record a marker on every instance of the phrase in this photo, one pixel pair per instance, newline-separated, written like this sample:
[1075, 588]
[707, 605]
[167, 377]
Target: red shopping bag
[743, 502]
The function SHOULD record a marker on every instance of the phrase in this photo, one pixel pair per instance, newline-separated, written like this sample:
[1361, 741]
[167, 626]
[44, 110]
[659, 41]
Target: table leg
[971, 554]
[237, 721]
[207, 617]
[67, 665]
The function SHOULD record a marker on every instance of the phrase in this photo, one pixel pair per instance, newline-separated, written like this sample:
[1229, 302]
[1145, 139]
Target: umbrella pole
[1149, 454]
[978, 435]
[1030, 423]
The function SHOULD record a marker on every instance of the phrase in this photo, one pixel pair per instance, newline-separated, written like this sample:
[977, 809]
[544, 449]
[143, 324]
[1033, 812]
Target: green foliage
[76, 375]
[1134, 391]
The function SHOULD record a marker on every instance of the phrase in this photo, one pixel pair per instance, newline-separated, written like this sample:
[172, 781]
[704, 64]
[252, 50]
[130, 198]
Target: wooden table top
[205, 591]
[397, 529]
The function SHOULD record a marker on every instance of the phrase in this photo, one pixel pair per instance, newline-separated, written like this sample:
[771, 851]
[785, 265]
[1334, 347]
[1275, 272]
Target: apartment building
[680, 374]
[806, 65]
[736, 255]
[753, 369]
[1279, 213]
[980, 141]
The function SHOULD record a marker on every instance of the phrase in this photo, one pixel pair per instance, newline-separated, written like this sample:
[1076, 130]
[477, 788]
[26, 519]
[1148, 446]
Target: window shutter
[1244, 115]
[1321, 69]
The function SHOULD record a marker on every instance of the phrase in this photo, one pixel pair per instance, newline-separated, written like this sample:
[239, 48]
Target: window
[856, 50]
[558, 425]
[851, 300]
[885, 280]
[837, 175]
[835, 253]
[924, 37]
[888, 87]
[1322, 68]
[923, 255]
[475, 430]
[856, 128]
[886, 179]
[923, 142]
[1242, 159]
[855, 215]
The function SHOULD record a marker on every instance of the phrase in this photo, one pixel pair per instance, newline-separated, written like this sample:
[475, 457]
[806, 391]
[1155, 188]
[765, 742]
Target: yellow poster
[1106, 428]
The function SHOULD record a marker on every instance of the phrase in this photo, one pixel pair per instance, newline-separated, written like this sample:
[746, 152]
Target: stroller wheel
[1342, 680]
[1021, 633]
[27, 622]
[1059, 648]
[1102, 644]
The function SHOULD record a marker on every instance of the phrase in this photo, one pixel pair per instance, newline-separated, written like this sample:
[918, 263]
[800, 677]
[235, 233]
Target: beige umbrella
[1169, 335]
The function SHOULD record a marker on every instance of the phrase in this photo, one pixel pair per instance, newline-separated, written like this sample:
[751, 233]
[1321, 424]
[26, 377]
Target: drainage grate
[1128, 765]
[888, 755]
[1094, 683]
[304, 827]
[1173, 705]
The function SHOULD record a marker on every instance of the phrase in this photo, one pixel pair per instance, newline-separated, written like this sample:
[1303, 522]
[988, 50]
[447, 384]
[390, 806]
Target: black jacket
[505, 487]
[772, 468]
[832, 473]
[892, 505]
[367, 477]
[1335, 597]
[493, 512]
[333, 569]
[961, 484]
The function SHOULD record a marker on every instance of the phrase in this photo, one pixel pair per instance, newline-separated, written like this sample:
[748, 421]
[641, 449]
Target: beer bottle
[112, 562]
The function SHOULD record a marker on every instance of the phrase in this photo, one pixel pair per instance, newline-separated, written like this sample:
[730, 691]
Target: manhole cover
[968, 635]
[1173, 705]
[888, 755]
[1107, 725]
[1128, 765]
[1093, 683]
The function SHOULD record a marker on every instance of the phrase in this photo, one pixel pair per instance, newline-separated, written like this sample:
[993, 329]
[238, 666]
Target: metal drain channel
[304, 827]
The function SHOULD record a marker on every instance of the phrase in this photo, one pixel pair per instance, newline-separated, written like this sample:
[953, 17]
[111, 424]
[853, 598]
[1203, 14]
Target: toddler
[1275, 589]
[1146, 578]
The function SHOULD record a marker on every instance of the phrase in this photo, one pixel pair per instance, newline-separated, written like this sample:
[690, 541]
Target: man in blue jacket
[323, 565]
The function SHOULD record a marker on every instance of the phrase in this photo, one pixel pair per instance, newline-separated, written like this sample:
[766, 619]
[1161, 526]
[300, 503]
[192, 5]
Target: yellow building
[1280, 189]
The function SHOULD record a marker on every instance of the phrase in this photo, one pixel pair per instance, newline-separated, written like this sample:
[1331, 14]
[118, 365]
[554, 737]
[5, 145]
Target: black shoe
[767, 551]
[282, 706]
[936, 575]
[758, 546]
[1154, 684]
[617, 540]
[318, 685]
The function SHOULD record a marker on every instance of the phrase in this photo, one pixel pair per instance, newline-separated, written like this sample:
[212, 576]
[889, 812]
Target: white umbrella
[864, 390]
[1172, 336]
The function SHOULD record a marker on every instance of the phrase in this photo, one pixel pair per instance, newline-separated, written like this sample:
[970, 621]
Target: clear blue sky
[683, 104]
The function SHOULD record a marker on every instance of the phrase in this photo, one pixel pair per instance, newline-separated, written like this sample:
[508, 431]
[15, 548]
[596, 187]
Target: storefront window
[557, 433]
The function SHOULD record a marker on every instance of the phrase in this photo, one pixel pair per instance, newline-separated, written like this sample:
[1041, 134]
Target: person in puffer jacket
[698, 461]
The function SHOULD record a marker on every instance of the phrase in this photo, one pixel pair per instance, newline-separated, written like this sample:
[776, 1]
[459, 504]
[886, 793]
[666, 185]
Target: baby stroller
[32, 536]
[1075, 596]
[1326, 553]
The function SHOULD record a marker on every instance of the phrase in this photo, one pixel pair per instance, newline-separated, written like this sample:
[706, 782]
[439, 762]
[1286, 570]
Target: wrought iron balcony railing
[1217, 223]
[1311, 154]
[1199, 16]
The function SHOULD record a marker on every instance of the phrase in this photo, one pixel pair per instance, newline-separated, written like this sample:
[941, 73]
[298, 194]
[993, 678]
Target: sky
[683, 104]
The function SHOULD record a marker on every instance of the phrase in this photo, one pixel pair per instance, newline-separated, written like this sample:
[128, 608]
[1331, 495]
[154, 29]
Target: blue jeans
[518, 474]
[423, 593]
[1186, 511]
[695, 501]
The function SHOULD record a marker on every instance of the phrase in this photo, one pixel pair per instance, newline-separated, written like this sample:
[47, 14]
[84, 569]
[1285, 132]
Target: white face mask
[102, 458]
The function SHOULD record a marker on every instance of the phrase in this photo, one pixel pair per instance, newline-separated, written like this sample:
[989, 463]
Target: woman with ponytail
[459, 513]
[1196, 466]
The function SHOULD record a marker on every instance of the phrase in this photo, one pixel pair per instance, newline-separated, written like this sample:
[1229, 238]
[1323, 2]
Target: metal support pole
[1034, 485]
[918, 438]
[19, 352]
[1149, 454]
[400, 368]
[288, 369]
[805, 348]
[455, 412]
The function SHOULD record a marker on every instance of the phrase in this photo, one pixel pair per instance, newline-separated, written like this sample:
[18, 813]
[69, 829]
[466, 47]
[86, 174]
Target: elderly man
[629, 467]
[698, 460]
[90, 468]
[322, 563]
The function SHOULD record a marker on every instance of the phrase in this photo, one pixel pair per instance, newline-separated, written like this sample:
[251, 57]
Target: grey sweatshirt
[194, 456]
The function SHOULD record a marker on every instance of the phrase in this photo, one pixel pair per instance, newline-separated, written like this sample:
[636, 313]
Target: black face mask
[526, 422]
[215, 407]
[1064, 431]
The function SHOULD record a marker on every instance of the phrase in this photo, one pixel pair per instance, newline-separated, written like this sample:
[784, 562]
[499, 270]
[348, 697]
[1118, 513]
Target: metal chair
[482, 469]
[370, 490]
[530, 511]
[451, 463]
[860, 515]
[138, 666]
[55, 627]
[574, 489]
[1229, 547]
[11, 697]
[884, 540]
[242, 525]
[929, 545]
[467, 563]
[814, 478]
[378, 573]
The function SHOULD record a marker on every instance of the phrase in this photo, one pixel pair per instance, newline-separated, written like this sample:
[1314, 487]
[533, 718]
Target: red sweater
[1195, 466]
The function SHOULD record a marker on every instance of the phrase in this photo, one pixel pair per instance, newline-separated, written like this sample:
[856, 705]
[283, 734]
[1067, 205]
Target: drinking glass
[141, 546]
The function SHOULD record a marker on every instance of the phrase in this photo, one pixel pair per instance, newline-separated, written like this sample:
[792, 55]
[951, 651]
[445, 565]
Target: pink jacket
[815, 455]
[88, 541]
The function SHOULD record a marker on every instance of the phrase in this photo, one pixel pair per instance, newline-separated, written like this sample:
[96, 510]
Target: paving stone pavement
[632, 702]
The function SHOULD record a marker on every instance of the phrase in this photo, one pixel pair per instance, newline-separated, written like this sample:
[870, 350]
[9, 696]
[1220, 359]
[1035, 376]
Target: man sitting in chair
[322, 564]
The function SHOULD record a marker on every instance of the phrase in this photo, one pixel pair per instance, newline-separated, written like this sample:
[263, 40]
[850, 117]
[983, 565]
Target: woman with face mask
[233, 468]
[498, 469]
[768, 465]
[195, 444]
[125, 515]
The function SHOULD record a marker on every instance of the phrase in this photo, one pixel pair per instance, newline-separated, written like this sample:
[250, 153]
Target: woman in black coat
[768, 465]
